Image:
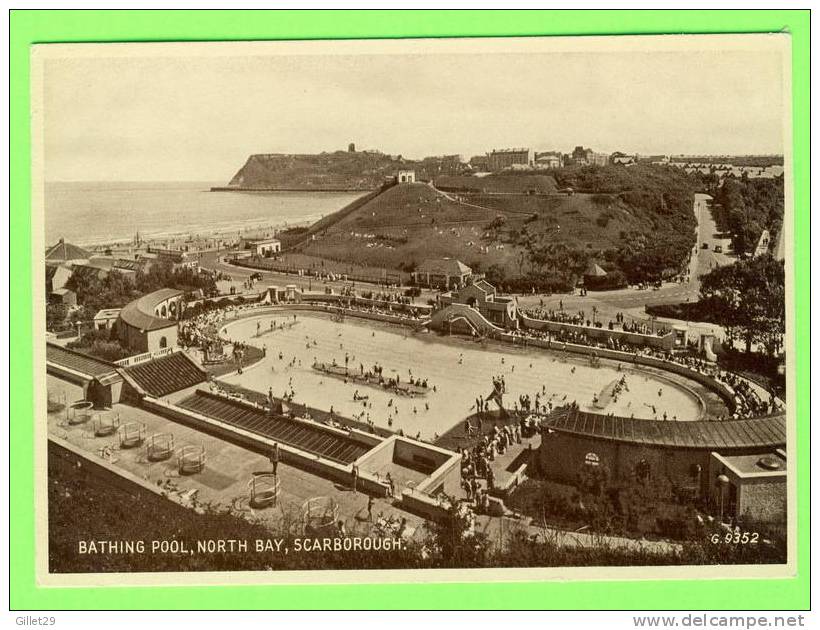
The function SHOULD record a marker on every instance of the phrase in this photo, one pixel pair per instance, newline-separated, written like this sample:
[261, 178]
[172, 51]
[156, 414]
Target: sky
[186, 118]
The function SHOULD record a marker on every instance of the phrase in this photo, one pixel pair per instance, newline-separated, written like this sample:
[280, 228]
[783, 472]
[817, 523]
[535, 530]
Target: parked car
[705, 246]
[718, 249]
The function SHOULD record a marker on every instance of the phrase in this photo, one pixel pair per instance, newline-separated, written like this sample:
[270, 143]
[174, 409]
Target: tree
[454, 540]
[56, 314]
[745, 207]
[748, 300]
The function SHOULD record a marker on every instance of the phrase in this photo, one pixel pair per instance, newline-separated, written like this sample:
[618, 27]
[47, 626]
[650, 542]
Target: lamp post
[698, 473]
[723, 481]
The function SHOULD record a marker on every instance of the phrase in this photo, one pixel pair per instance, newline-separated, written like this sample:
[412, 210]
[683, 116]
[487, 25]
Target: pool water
[460, 370]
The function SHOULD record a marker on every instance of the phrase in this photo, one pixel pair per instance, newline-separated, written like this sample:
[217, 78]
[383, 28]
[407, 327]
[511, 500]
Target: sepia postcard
[413, 310]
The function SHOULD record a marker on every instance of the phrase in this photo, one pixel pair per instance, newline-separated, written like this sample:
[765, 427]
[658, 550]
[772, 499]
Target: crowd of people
[475, 462]
[580, 318]
[374, 375]
[748, 401]
[203, 331]
[411, 314]
[387, 296]
[578, 337]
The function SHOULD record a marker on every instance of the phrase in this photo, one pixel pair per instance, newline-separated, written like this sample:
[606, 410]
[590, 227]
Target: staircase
[463, 316]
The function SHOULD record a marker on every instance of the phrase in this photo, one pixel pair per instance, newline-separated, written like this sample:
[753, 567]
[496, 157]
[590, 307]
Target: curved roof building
[734, 468]
[149, 323]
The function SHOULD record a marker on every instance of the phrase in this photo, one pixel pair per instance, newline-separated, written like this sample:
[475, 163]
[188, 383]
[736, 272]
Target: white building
[266, 247]
[405, 177]
[106, 318]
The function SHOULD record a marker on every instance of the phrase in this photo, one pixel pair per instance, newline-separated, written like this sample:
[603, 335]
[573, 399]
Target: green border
[28, 27]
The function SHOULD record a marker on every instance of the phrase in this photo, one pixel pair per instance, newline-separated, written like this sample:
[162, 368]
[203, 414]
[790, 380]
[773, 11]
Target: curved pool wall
[458, 384]
[317, 305]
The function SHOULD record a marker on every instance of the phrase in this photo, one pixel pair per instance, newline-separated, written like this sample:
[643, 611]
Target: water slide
[464, 316]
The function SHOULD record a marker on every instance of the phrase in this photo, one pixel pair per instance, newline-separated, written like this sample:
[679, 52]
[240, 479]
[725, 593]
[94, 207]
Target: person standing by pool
[274, 458]
[391, 486]
[354, 473]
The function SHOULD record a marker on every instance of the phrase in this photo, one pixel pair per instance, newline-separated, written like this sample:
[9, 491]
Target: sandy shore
[202, 239]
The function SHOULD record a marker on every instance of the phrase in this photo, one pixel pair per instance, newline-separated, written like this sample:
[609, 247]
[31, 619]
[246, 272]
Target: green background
[29, 27]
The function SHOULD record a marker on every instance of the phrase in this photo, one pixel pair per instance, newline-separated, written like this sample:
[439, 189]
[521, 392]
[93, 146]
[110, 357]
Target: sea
[97, 213]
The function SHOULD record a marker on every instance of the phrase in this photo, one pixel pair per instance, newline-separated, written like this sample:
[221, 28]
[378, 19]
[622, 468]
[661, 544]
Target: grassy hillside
[400, 228]
[411, 205]
[582, 220]
[637, 222]
[507, 183]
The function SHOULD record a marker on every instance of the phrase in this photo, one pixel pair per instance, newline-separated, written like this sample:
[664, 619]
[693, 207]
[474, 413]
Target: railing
[144, 357]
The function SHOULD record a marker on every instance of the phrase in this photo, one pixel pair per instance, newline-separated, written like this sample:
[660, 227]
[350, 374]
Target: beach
[97, 215]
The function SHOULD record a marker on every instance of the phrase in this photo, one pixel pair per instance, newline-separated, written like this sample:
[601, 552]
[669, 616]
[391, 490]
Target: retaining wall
[666, 342]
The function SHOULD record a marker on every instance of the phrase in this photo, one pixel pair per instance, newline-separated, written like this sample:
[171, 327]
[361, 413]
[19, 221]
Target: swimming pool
[459, 369]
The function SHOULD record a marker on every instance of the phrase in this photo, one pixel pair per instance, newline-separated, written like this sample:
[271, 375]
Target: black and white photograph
[413, 309]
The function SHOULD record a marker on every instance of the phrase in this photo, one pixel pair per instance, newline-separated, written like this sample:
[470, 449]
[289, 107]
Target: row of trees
[660, 198]
[745, 207]
[96, 291]
[748, 299]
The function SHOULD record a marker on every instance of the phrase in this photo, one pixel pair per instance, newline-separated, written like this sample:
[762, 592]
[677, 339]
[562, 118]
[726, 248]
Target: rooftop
[484, 286]
[594, 270]
[84, 364]
[262, 241]
[102, 263]
[450, 266]
[126, 264]
[769, 465]
[140, 312]
[768, 432]
[107, 313]
[66, 251]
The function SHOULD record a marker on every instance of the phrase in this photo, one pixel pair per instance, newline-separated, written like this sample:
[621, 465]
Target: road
[708, 234]
[215, 261]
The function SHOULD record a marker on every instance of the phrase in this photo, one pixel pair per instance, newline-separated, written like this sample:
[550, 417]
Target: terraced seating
[165, 375]
[291, 432]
